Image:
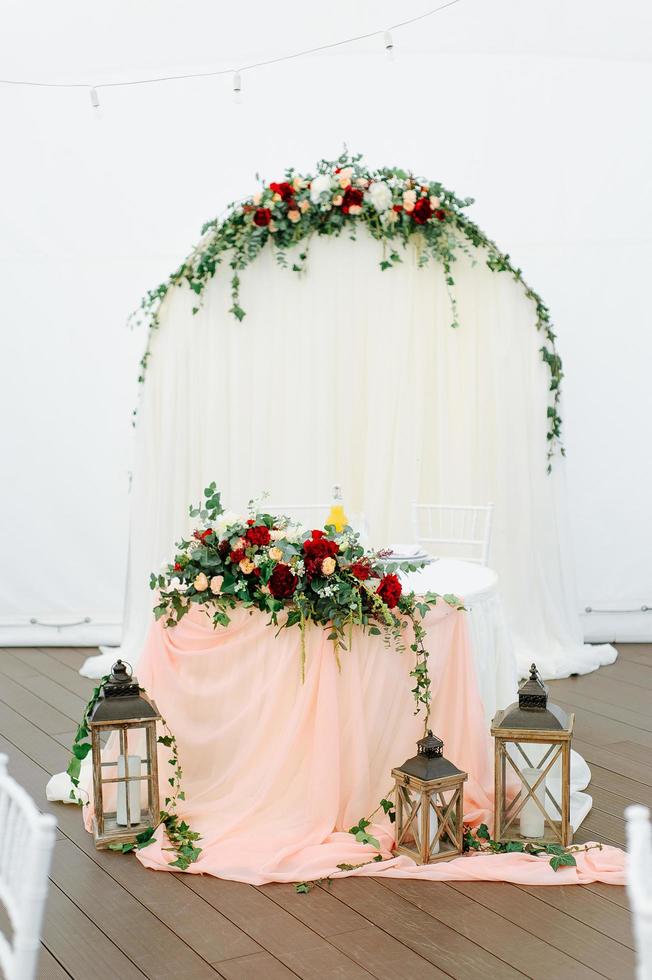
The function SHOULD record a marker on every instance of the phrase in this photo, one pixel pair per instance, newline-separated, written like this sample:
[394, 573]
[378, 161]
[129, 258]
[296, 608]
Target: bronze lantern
[429, 800]
[125, 781]
[531, 736]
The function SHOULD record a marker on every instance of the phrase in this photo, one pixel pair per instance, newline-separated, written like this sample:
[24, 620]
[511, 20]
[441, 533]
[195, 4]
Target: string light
[236, 75]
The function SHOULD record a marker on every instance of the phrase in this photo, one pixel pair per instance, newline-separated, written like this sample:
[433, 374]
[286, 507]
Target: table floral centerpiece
[299, 577]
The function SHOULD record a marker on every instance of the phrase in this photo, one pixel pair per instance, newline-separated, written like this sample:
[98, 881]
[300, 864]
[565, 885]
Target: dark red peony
[223, 548]
[258, 535]
[353, 198]
[361, 570]
[315, 550]
[422, 211]
[262, 217]
[237, 555]
[389, 590]
[285, 190]
[440, 215]
[282, 582]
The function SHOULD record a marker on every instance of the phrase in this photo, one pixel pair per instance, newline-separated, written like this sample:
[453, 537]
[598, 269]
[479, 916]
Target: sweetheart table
[276, 769]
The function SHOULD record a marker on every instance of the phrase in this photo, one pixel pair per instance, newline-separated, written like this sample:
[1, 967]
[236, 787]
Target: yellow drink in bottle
[336, 517]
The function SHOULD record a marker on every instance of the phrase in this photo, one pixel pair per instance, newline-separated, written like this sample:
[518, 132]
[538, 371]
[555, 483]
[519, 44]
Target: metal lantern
[429, 795]
[532, 801]
[125, 782]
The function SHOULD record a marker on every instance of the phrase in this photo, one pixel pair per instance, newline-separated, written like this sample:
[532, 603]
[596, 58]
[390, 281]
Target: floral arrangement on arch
[396, 208]
[297, 576]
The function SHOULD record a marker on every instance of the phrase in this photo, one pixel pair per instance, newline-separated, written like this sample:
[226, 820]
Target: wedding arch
[394, 206]
[346, 370]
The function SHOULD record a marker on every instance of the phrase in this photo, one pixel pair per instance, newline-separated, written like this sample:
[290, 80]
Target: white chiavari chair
[639, 885]
[26, 843]
[454, 530]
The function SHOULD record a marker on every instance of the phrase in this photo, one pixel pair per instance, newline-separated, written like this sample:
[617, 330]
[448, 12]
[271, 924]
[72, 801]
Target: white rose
[320, 184]
[201, 582]
[380, 196]
[226, 520]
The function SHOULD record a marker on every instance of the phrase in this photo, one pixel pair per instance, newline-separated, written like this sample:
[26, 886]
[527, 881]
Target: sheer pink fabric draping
[275, 770]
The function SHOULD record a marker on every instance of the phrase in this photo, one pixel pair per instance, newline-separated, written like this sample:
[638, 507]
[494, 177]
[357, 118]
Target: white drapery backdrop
[348, 374]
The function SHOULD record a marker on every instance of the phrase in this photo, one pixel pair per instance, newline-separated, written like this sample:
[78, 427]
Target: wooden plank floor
[107, 917]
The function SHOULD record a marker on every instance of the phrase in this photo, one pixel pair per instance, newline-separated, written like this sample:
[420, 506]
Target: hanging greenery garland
[394, 206]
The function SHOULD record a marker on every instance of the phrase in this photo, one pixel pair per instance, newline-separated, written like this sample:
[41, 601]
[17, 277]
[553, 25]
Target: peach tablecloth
[275, 770]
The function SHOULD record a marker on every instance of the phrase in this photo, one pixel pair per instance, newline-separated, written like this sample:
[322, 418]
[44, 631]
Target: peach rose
[337, 200]
[355, 209]
[409, 200]
[216, 584]
[328, 566]
[435, 202]
[246, 566]
[304, 205]
[275, 554]
[201, 582]
[294, 215]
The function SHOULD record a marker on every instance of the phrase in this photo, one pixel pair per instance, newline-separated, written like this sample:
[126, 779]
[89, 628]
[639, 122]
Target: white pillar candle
[134, 792]
[532, 822]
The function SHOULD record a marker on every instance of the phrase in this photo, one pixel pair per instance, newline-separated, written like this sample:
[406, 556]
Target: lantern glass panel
[533, 804]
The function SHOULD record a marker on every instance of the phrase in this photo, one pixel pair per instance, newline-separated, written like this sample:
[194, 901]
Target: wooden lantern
[531, 736]
[123, 808]
[429, 799]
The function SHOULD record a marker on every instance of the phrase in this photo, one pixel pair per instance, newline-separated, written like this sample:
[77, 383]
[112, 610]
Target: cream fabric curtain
[348, 374]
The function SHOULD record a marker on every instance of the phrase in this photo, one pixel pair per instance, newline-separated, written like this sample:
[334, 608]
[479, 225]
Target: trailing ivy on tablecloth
[394, 205]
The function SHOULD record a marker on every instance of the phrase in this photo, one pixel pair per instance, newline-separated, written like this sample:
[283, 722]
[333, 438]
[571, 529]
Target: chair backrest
[454, 530]
[309, 515]
[639, 885]
[26, 843]
[314, 516]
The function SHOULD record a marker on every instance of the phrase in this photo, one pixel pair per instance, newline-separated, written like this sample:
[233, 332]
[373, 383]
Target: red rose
[389, 590]
[360, 570]
[397, 207]
[237, 555]
[251, 522]
[258, 535]
[223, 548]
[178, 567]
[353, 197]
[440, 215]
[202, 535]
[316, 549]
[285, 190]
[262, 217]
[422, 211]
[282, 582]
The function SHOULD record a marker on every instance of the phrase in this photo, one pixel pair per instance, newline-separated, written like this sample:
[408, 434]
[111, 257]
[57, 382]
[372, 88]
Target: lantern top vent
[121, 699]
[532, 710]
[429, 762]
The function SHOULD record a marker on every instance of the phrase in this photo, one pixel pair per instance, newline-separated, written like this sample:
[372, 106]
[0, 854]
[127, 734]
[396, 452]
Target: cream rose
[319, 186]
[246, 566]
[328, 566]
[275, 554]
[201, 582]
[380, 195]
[434, 202]
[409, 200]
[304, 206]
[337, 200]
[276, 535]
[216, 584]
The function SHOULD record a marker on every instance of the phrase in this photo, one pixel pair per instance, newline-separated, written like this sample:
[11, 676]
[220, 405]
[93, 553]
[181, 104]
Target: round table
[493, 652]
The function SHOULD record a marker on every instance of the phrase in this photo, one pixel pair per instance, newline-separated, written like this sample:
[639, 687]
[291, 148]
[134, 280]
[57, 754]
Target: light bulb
[237, 87]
